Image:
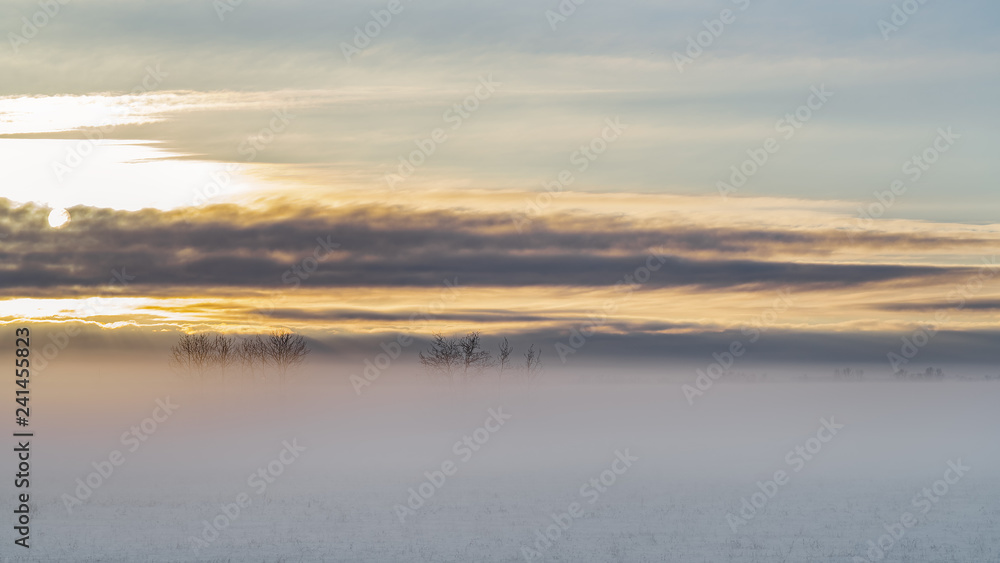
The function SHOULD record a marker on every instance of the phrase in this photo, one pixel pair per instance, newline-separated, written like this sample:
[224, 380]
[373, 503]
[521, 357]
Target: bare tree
[286, 350]
[928, 374]
[852, 374]
[244, 351]
[252, 351]
[474, 358]
[532, 362]
[443, 356]
[224, 352]
[503, 358]
[181, 357]
[192, 354]
[261, 354]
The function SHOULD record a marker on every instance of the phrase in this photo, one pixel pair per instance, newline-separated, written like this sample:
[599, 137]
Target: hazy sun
[58, 218]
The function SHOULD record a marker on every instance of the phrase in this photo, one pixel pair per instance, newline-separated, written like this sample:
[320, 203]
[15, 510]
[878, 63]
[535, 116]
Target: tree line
[206, 355]
[203, 355]
[464, 358]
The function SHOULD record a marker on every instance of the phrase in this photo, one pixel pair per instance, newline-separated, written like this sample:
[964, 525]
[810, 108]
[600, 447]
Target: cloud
[387, 246]
[609, 59]
[481, 317]
[971, 305]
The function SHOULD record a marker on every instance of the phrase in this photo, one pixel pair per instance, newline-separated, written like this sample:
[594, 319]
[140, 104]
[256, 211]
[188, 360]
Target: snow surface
[336, 501]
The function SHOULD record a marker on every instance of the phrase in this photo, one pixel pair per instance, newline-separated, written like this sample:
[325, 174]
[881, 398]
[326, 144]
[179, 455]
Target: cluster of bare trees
[202, 355]
[464, 358]
[929, 374]
[849, 374]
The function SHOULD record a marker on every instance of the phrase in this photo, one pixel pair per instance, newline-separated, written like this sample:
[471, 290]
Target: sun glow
[61, 173]
[58, 218]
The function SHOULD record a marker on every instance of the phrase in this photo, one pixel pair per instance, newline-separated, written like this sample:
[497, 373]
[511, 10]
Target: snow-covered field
[866, 452]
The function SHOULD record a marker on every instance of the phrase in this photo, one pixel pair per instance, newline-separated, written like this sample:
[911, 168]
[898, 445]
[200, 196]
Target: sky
[665, 178]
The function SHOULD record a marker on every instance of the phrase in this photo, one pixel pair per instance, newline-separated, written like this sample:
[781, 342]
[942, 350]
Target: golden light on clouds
[367, 311]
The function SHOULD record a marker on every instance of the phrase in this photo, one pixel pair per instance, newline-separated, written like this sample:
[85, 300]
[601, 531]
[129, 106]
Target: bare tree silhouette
[224, 353]
[192, 354]
[444, 356]
[533, 362]
[285, 351]
[252, 352]
[927, 375]
[503, 358]
[474, 358]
